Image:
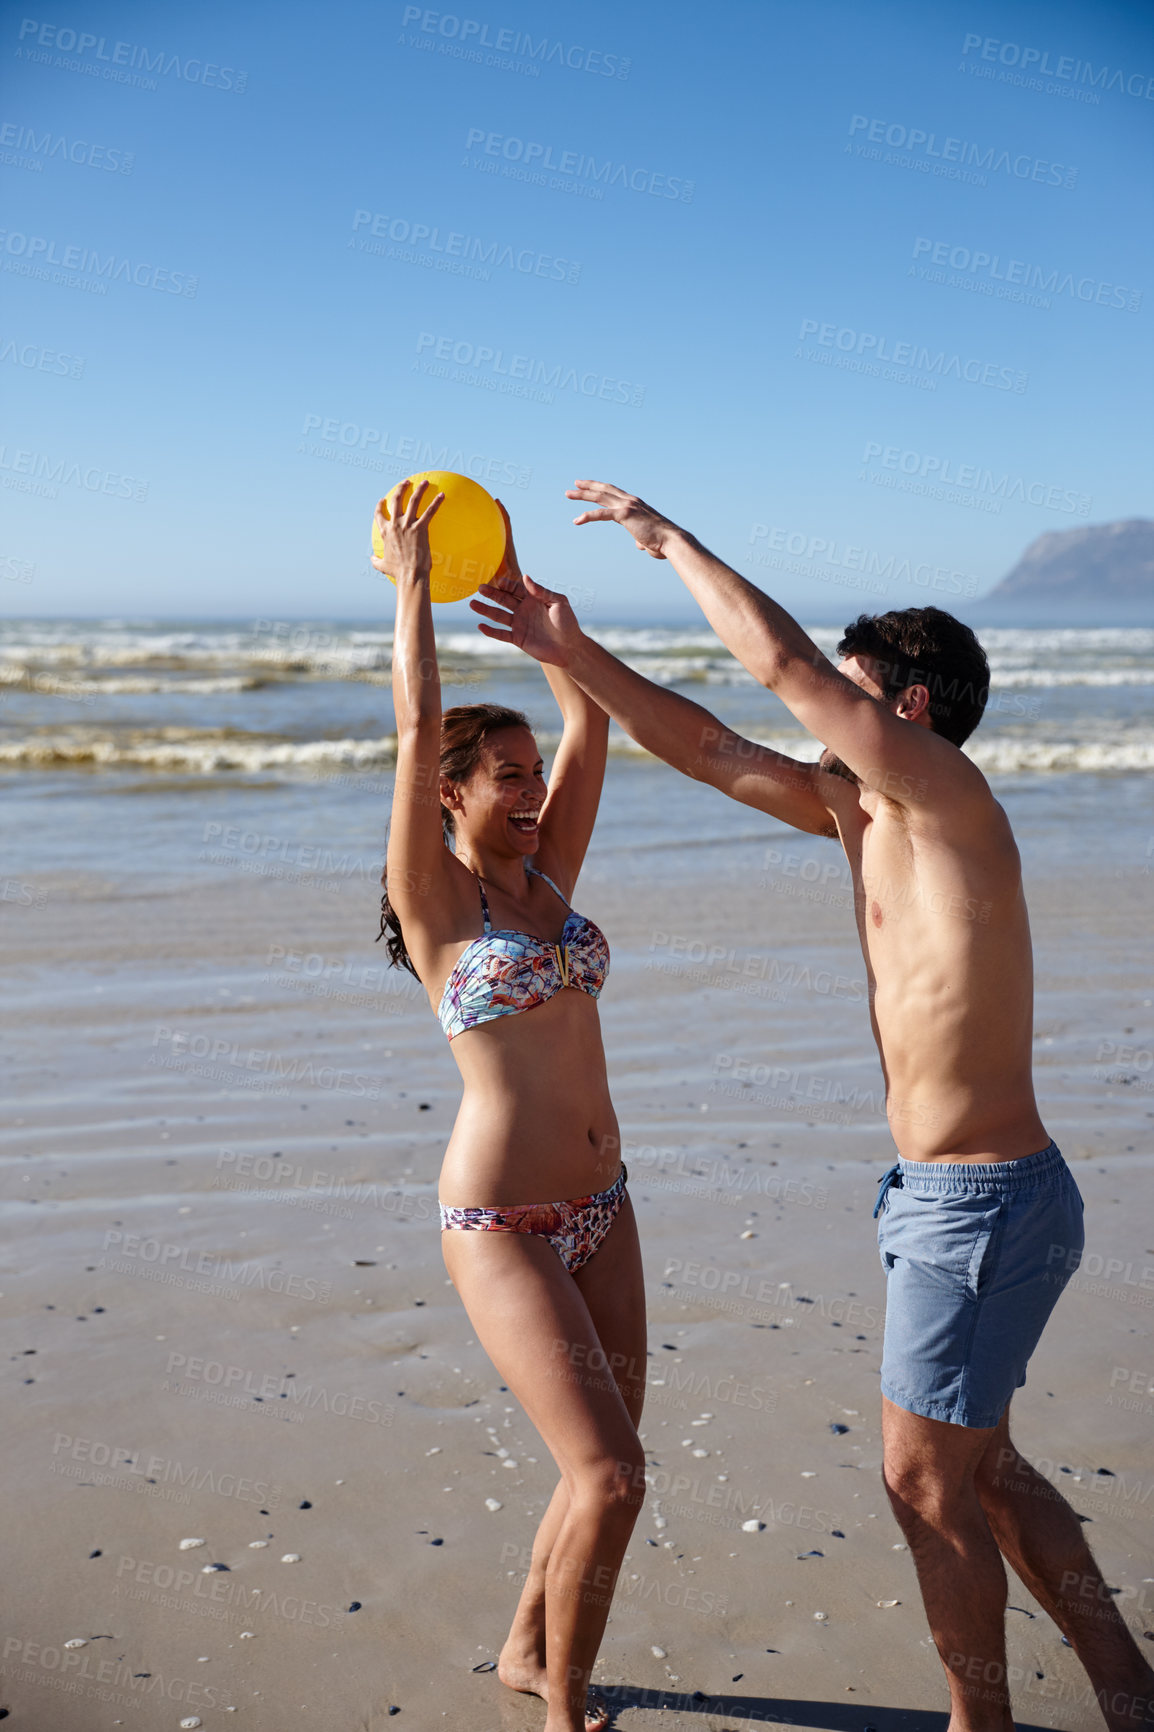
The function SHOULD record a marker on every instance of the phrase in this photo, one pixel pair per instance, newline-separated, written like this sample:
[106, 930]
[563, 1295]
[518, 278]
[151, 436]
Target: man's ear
[914, 705]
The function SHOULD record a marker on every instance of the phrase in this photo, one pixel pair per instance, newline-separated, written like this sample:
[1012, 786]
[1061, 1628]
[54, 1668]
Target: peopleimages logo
[457, 252]
[124, 59]
[876, 346]
[887, 568]
[48, 145]
[472, 33]
[956, 156]
[991, 268]
[538, 158]
[517, 375]
[366, 447]
[160, 1470]
[38, 472]
[974, 479]
[1037, 61]
[36, 252]
[40, 360]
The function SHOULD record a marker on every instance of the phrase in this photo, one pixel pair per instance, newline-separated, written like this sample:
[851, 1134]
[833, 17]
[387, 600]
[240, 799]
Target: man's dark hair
[924, 646]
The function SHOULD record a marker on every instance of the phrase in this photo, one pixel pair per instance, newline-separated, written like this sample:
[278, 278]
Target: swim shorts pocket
[948, 1235]
[987, 1244]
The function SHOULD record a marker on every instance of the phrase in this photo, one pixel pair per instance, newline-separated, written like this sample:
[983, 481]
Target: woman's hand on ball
[508, 579]
[404, 532]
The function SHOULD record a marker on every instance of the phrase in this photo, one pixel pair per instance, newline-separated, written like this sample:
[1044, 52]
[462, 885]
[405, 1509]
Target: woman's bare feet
[523, 1669]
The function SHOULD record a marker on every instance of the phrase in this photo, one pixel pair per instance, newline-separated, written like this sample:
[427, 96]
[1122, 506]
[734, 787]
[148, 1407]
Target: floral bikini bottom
[575, 1229]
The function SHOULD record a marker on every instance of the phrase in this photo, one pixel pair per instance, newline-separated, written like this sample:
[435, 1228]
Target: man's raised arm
[670, 726]
[910, 764]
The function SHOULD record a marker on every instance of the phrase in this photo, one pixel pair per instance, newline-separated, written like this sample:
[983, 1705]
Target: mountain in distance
[1098, 574]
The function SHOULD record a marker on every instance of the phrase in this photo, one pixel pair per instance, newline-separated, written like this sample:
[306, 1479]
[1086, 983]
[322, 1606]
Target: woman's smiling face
[498, 807]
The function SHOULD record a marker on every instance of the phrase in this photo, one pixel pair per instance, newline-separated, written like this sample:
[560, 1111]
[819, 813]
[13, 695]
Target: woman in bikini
[553, 1288]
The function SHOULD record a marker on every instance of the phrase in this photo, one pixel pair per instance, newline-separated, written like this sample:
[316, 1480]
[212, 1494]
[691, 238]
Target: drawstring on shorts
[892, 1177]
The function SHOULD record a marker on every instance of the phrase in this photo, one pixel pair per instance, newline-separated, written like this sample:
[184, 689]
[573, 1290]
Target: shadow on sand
[787, 1711]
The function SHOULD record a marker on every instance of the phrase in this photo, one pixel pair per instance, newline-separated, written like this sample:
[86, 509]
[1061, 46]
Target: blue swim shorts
[975, 1258]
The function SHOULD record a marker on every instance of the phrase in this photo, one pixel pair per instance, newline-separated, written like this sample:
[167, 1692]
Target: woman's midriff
[536, 1124]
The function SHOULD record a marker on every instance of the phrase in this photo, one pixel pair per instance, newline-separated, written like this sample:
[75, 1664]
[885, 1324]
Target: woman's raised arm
[575, 780]
[416, 854]
[570, 809]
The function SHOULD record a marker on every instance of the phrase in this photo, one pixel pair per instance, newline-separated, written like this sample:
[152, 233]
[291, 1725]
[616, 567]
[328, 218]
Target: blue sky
[788, 319]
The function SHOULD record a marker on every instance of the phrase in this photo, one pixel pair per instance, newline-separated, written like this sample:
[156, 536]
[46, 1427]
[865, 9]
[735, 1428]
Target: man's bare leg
[1042, 1540]
[930, 1470]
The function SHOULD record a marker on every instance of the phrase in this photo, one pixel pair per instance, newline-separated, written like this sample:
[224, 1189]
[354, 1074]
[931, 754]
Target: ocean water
[123, 741]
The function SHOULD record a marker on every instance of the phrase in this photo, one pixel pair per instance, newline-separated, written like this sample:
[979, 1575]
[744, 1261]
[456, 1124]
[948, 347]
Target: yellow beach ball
[466, 537]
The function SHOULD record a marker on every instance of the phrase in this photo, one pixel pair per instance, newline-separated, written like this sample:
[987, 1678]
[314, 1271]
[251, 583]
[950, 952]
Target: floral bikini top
[503, 972]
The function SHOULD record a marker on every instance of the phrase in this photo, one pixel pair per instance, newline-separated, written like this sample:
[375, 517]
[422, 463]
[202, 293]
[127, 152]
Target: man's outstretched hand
[537, 620]
[648, 528]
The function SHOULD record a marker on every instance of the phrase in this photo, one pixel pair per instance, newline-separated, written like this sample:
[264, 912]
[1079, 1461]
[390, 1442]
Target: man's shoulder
[931, 812]
[977, 833]
[952, 791]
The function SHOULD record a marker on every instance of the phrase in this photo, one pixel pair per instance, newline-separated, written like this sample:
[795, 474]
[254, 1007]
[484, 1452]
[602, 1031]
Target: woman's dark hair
[464, 731]
[925, 646]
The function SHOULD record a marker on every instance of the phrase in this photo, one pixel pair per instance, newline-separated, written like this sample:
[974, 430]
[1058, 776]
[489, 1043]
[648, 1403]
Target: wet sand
[227, 1318]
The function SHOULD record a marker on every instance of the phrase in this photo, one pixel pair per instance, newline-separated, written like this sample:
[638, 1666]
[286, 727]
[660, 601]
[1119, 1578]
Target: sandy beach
[263, 1473]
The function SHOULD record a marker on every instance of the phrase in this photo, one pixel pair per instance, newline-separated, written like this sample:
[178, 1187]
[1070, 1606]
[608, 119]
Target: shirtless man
[981, 1221]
